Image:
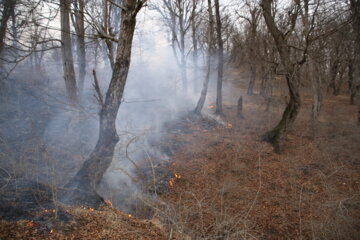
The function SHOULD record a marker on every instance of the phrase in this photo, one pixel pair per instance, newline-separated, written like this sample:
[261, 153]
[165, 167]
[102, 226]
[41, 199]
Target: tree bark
[9, 7]
[219, 110]
[277, 135]
[80, 31]
[107, 29]
[182, 48]
[89, 176]
[195, 46]
[66, 49]
[201, 101]
[355, 70]
[255, 13]
[240, 107]
[250, 90]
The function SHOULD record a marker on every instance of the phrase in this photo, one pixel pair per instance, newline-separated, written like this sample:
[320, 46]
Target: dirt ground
[228, 184]
[233, 186]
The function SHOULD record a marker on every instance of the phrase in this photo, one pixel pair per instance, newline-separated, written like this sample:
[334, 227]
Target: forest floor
[231, 185]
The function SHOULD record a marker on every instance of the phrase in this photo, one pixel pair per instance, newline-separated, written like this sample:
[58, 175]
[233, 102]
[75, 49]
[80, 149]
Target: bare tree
[210, 50]
[252, 44]
[355, 14]
[67, 57]
[79, 24]
[194, 27]
[291, 67]
[178, 15]
[219, 110]
[354, 66]
[84, 183]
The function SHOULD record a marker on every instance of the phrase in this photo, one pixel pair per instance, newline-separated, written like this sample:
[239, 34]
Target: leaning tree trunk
[202, 98]
[66, 49]
[219, 110]
[276, 136]
[83, 185]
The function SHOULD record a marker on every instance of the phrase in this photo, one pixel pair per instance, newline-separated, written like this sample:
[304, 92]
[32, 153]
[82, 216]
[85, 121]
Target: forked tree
[81, 189]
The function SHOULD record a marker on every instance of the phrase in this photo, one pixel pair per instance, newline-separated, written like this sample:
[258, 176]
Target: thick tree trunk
[355, 81]
[202, 98]
[89, 176]
[66, 49]
[219, 110]
[8, 9]
[276, 136]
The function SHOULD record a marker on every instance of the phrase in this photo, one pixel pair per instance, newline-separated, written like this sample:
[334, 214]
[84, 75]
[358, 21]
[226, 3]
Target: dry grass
[234, 187]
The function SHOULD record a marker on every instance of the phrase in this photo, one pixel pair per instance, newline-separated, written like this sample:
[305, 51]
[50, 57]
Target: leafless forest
[180, 119]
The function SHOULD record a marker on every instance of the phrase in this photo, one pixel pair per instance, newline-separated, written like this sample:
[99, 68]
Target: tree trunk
[351, 82]
[89, 176]
[182, 50]
[355, 88]
[240, 107]
[108, 42]
[219, 110]
[195, 46]
[80, 30]
[202, 98]
[255, 13]
[277, 135]
[333, 76]
[250, 90]
[66, 49]
[9, 7]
